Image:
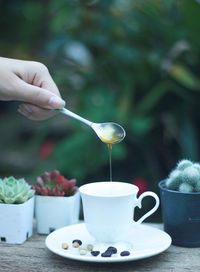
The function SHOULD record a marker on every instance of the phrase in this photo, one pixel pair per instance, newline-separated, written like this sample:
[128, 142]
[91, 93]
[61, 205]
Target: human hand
[30, 82]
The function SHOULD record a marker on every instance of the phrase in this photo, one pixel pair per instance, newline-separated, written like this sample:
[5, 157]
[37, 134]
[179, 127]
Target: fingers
[37, 95]
[49, 84]
[30, 82]
[34, 112]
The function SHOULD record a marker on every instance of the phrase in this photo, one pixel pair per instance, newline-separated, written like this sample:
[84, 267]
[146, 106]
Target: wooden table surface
[33, 256]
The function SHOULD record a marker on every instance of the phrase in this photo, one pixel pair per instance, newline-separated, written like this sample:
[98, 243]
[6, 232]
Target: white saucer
[144, 241]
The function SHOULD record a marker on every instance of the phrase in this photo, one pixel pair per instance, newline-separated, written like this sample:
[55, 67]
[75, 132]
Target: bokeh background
[134, 62]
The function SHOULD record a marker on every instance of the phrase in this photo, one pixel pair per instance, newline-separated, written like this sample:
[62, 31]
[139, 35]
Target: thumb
[38, 96]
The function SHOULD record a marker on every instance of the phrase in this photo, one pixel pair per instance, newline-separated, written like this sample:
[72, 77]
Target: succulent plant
[53, 184]
[185, 177]
[14, 191]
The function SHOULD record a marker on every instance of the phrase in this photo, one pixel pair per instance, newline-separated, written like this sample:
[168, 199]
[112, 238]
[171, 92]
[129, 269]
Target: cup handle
[139, 205]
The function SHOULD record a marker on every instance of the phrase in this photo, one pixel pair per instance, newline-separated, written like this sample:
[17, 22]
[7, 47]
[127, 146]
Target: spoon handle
[75, 116]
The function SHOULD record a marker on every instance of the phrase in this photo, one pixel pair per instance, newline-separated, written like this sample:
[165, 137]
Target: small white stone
[90, 247]
[65, 246]
[82, 251]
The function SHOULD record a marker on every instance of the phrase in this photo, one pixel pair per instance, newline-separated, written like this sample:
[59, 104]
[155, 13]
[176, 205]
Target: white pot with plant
[57, 202]
[16, 210]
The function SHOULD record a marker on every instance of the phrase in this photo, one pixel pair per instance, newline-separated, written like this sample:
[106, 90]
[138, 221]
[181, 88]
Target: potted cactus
[57, 202]
[180, 201]
[16, 210]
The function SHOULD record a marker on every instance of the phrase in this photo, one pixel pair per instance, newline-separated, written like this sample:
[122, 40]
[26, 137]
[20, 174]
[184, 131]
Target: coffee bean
[95, 253]
[125, 253]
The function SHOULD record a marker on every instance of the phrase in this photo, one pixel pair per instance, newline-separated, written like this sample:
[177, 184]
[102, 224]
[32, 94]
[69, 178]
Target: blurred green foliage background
[133, 62]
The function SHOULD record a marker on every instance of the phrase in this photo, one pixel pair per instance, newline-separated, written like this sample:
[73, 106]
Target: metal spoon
[110, 133]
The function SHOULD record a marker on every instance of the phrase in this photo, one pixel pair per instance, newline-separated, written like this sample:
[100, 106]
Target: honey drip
[110, 159]
[109, 136]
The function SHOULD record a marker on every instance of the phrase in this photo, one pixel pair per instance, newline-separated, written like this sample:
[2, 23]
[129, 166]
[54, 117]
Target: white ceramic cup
[108, 209]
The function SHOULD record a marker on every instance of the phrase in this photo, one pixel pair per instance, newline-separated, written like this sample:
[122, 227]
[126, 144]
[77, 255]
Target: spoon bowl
[109, 133]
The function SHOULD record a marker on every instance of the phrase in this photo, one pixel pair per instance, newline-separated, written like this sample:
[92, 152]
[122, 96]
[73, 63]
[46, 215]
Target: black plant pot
[181, 216]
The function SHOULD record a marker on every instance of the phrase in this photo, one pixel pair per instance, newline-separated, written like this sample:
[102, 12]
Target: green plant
[14, 191]
[53, 184]
[185, 177]
[137, 65]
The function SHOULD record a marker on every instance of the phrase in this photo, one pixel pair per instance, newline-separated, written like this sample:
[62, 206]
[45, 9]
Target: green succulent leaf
[14, 191]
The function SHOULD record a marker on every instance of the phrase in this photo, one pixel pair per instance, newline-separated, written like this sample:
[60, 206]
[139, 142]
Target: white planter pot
[53, 212]
[16, 222]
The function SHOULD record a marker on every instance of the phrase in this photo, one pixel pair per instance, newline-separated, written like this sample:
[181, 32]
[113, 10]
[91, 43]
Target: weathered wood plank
[33, 256]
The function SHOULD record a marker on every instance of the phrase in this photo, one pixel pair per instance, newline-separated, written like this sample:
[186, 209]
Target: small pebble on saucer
[77, 241]
[82, 251]
[90, 247]
[125, 253]
[75, 244]
[65, 246]
[112, 249]
[95, 253]
[107, 253]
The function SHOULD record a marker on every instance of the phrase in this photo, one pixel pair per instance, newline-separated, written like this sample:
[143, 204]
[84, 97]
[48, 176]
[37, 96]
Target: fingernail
[56, 102]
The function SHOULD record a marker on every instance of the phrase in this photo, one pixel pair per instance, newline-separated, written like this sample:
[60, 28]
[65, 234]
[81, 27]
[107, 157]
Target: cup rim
[83, 192]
